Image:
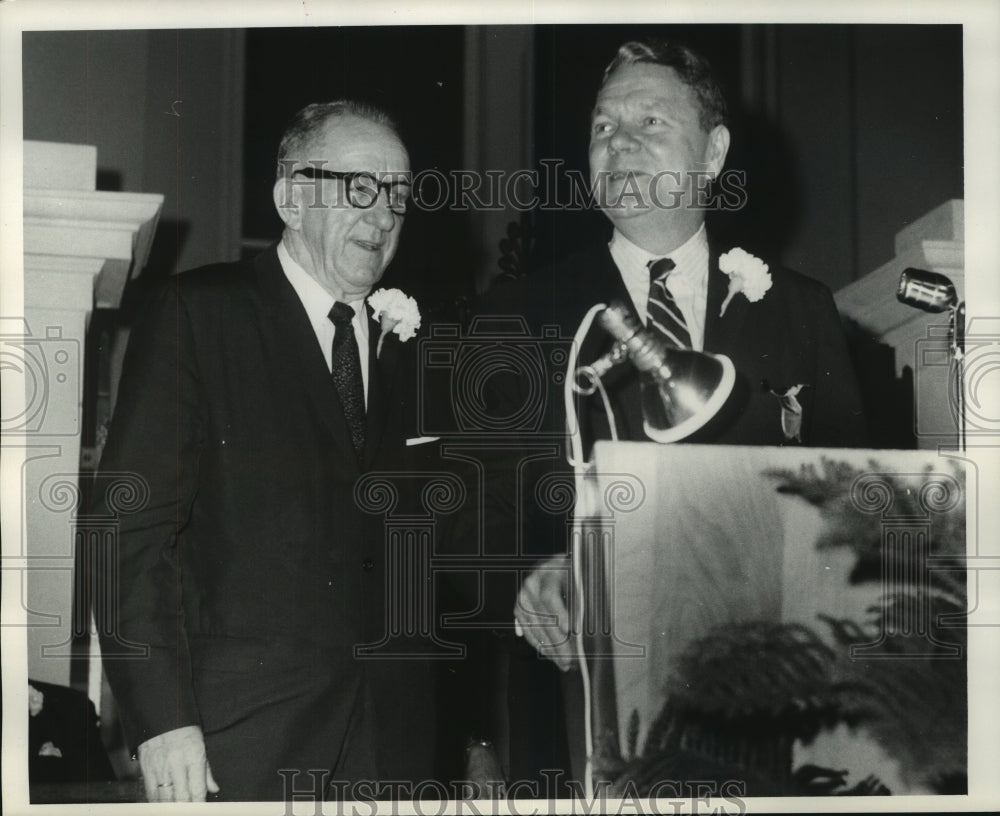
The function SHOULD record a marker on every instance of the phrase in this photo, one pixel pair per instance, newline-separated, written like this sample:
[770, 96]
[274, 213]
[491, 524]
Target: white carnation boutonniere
[396, 313]
[747, 274]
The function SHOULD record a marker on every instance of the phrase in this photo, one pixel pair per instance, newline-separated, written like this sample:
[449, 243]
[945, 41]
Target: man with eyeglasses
[253, 398]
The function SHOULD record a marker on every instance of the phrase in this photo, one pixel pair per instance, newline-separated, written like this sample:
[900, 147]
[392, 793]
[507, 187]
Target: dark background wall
[165, 110]
[846, 133]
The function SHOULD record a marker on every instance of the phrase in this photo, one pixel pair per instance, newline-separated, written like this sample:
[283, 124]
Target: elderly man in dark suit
[658, 140]
[254, 396]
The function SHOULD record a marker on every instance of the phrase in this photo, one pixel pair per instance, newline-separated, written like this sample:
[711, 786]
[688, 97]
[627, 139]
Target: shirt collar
[315, 299]
[690, 258]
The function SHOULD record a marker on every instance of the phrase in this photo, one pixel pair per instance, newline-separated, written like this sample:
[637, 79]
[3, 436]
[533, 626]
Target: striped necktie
[346, 372]
[663, 315]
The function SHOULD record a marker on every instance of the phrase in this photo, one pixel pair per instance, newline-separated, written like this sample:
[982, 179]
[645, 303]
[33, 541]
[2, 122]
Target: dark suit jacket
[251, 572]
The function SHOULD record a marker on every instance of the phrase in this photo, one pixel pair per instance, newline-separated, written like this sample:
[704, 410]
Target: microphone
[680, 389]
[929, 291]
[631, 341]
[646, 351]
[602, 365]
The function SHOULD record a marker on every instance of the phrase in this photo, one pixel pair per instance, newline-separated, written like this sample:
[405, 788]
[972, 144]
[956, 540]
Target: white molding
[91, 205]
[60, 283]
[116, 228]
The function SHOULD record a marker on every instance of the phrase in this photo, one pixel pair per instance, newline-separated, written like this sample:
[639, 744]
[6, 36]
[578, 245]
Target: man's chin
[367, 269]
[627, 210]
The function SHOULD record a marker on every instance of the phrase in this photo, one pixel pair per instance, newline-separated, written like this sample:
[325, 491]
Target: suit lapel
[723, 334]
[296, 344]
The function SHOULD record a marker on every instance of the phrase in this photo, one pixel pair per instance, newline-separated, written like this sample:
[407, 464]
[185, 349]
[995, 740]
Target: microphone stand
[957, 331]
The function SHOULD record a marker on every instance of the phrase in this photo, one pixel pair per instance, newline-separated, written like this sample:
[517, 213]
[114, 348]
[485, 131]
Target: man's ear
[716, 149]
[288, 202]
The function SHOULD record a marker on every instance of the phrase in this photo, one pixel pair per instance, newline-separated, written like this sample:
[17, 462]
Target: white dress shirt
[317, 303]
[688, 282]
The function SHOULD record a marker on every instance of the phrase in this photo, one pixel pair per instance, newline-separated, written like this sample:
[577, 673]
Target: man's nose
[379, 213]
[622, 140]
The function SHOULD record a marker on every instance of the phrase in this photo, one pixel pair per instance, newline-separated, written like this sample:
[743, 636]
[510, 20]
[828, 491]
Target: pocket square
[420, 440]
[791, 411]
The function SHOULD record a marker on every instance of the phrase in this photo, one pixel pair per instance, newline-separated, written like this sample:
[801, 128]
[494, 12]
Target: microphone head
[929, 291]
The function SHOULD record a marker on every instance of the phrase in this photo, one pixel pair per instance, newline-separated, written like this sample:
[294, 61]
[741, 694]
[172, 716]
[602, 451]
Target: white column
[80, 248]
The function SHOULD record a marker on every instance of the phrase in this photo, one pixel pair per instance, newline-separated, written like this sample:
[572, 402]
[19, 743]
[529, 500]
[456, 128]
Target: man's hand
[541, 615]
[175, 767]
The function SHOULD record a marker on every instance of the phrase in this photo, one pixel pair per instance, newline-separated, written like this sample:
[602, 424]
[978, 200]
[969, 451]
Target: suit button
[368, 565]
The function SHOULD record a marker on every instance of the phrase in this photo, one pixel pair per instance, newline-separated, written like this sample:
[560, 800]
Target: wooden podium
[768, 610]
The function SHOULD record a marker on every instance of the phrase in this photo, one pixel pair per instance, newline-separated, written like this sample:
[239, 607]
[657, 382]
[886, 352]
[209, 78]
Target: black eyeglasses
[363, 187]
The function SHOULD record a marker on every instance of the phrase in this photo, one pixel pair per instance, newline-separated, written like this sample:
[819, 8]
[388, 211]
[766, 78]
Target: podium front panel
[821, 559]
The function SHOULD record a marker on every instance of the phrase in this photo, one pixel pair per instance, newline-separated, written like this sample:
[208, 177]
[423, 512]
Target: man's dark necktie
[663, 315]
[346, 371]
